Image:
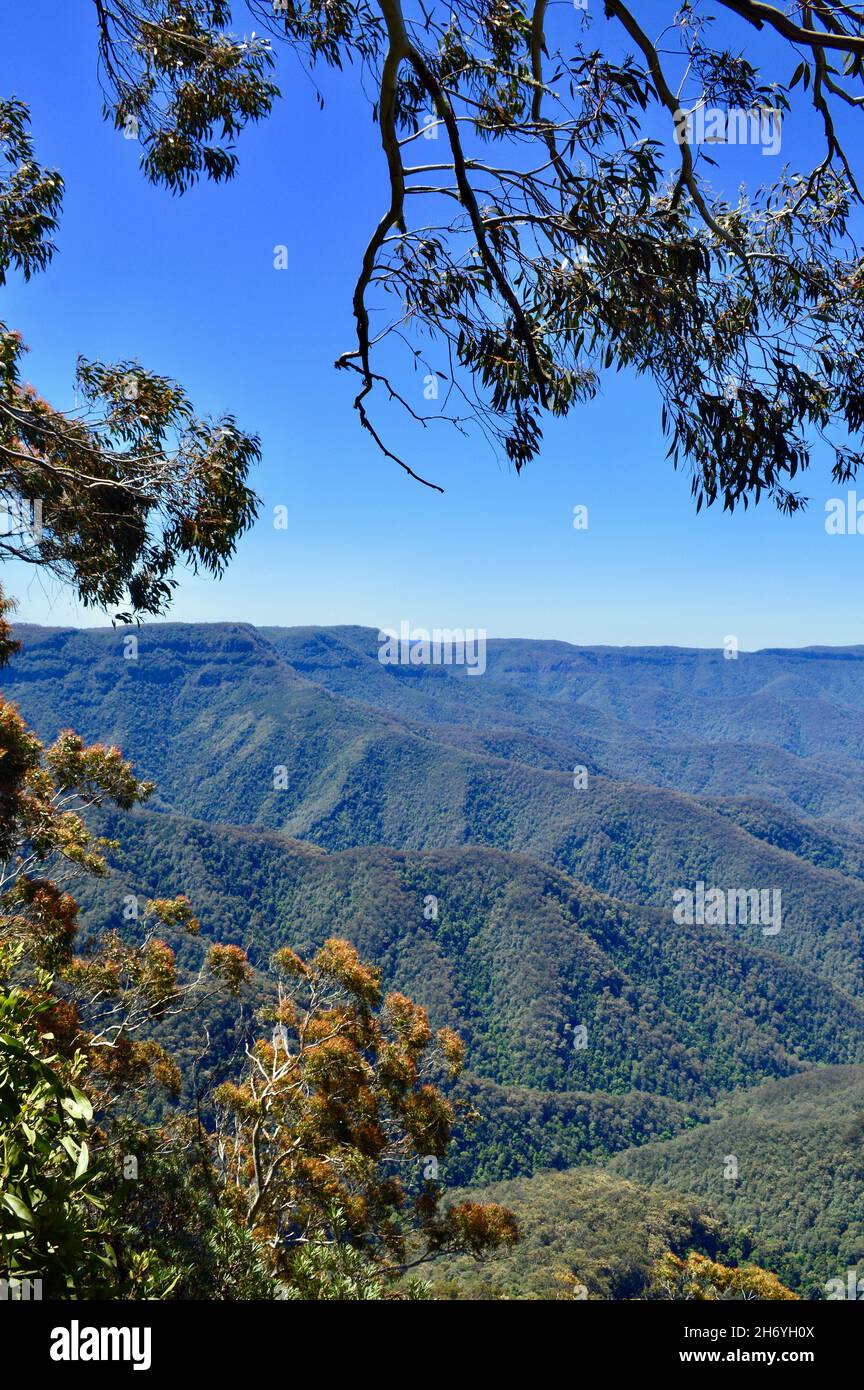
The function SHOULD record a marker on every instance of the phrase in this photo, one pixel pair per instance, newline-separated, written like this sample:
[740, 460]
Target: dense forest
[799, 1191]
[531, 918]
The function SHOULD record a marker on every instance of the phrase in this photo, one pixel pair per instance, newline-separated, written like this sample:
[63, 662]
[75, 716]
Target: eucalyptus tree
[551, 207]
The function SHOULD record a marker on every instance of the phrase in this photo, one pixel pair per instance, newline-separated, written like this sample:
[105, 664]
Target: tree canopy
[564, 222]
[113, 496]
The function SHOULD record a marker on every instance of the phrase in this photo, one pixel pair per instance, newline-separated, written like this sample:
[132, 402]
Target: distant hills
[212, 712]
[305, 789]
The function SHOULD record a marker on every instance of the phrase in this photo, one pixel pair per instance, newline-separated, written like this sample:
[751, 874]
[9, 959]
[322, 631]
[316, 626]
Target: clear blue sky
[188, 287]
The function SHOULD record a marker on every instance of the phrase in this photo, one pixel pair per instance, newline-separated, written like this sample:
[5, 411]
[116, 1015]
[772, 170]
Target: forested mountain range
[211, 712]
[517, 958]
[432, 818]
[784, 726]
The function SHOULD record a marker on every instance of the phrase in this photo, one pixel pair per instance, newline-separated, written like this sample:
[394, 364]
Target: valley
[303, 788]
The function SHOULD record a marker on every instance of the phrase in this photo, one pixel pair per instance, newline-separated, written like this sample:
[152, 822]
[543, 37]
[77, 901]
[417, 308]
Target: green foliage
[30, 200]
[75, 1069]
[335, 1270]
[582, 1228]
[174, 1234]
[68, 1215]
[112, 498]
[797, 1198]
[182, 84]
[742, 304]
[53, 1222]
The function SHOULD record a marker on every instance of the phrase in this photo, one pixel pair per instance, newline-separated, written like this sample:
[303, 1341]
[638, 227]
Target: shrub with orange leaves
[96, 997]
[229, 964]
[704, 1280]
[329, 1137]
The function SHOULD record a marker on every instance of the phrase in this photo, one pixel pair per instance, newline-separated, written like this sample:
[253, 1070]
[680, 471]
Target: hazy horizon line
[145, 624]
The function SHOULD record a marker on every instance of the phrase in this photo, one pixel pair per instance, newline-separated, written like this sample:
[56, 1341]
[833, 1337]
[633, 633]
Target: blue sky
[187, 285]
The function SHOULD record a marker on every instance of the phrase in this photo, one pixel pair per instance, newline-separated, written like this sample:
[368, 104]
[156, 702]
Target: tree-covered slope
[583, 1228]
[427, 817]
[798, 1144]
[230, 732]
[590, 1024]
[788, 725]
